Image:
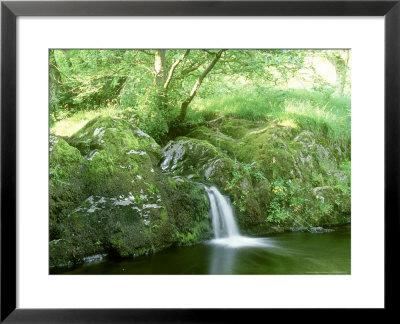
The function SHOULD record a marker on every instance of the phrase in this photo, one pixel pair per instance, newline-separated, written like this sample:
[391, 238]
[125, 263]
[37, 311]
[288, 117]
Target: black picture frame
[10, 10]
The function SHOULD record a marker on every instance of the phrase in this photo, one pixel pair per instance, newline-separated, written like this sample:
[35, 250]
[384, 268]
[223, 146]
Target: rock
[245, 165]
[114, 190]
[187, 154]
[238, 128]
[319, 230]
[66, 167]
[120, 157]
[113, 135]
[60, 253]
[125, 205]
[318, 192]
[221, 141]
[299, 229]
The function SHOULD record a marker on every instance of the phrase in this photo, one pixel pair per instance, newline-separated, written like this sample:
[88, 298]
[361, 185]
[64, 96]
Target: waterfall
[224, 223]
[225, 229]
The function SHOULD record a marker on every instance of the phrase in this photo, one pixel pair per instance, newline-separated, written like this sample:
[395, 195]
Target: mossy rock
[61, 253]
[187, 208]
[123, 226]
[187, 155]
[126, 206]
[238, 128]
[265, 153]
[221, 141]
[273, 151]
[284, 152]
[120, 157]
[66, 167]
[114, 136]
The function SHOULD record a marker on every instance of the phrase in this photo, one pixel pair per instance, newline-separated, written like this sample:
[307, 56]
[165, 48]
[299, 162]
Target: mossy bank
[114, 190]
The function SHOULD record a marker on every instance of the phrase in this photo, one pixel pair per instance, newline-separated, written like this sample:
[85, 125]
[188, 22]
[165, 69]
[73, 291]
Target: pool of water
[284, 253]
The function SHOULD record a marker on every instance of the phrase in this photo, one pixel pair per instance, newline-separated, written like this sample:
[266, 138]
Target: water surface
[285, 253]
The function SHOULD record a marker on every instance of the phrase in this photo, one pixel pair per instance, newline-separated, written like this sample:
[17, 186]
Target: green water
[285, 253]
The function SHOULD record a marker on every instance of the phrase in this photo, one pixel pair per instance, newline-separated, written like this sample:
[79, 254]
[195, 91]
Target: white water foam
[224, 225]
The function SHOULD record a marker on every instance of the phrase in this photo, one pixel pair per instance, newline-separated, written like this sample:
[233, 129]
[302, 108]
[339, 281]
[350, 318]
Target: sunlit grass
[69, 125]
[316, 111]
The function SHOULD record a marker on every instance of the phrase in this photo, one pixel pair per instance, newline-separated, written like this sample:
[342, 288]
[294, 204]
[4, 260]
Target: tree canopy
[161, 85]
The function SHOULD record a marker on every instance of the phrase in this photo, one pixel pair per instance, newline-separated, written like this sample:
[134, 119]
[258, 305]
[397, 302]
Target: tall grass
[315, 111]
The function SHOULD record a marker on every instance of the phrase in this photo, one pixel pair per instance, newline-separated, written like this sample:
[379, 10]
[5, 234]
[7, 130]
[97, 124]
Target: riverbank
[114, 190]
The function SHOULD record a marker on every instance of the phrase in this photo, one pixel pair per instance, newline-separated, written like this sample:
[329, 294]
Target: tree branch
[193, 67]
[146, 52]
[197, 85]
[173, 67]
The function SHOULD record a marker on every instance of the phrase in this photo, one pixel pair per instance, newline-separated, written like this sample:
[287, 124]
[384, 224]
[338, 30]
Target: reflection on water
[224, 250]
[285, 253]
[222, 260]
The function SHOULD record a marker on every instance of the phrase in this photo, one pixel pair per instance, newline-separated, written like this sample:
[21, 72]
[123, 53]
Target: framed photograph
[193, 160]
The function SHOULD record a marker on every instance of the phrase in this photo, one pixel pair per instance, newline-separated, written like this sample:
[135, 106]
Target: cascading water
[225, 228]
[222, 214]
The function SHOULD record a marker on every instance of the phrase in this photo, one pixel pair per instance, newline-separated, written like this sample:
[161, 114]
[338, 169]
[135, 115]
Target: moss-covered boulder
[189, 156]
[238, 128]
[221, 141]
[112, 135]
[127, 205]
[201, 161]
[296, 162]
[269, 170]
[187, 208]
[120, 158]
[66, 167]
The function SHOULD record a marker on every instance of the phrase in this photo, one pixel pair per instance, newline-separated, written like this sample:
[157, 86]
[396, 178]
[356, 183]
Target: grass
[315, 111]
[70, 124]
[312, 110]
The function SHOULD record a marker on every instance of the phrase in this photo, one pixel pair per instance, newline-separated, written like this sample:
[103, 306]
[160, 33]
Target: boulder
[249, 161]
[319, 230]
[66, 168]
[205, 163]
[125, 205]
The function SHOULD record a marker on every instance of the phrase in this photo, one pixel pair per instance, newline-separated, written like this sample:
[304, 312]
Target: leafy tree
[157, 86]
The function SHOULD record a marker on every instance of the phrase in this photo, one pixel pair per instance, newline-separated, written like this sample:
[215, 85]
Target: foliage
[297, 203]
[129, 83]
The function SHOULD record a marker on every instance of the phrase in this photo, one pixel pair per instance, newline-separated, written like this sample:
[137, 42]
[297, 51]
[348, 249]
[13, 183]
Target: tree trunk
[341, 66]
[197, 85]
[54, 82]
[160, 78]
[340, 82]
